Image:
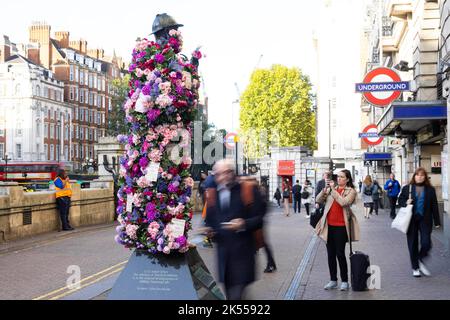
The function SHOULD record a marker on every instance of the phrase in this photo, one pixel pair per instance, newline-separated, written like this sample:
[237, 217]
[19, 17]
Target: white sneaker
[424, 269]
[306, 216]
[416, 273]
[344, 286]
[331, 285]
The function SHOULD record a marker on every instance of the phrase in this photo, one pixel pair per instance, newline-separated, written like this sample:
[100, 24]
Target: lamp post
[6, 159]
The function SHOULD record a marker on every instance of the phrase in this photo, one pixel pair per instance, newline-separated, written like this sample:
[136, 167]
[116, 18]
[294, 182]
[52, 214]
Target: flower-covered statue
[154, 209]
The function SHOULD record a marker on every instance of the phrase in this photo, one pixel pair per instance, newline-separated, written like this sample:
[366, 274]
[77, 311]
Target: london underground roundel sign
[382, 86]
[370, 135]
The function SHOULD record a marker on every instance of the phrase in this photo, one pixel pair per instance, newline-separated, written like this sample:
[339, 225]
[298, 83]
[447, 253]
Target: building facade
[86, 76]
[415, 125]
[35, 122]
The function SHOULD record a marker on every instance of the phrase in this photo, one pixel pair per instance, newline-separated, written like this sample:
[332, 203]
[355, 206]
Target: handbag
[316, 215]
[404, 215]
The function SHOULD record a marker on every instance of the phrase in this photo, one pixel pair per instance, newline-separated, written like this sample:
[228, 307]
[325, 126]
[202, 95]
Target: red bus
[29, 171]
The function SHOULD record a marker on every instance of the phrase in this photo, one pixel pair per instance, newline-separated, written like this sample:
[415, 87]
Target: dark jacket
[297, 191]
[236, 250]
[277, 195]
[320, 186]
[431, 210]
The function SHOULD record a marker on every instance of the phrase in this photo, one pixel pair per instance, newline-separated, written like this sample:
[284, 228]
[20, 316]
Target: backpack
[305, 194]
[368, 191]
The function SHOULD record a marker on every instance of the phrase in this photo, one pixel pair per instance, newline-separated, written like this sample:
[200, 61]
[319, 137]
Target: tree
[116, 123]
[277, 110]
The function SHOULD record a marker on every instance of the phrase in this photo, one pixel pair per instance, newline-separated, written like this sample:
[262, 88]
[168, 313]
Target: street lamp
[6, 159]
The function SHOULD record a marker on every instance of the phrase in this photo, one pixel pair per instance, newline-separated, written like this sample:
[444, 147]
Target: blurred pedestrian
[360, 185]
[233, 225]
[297, 195]
[307, 197]
[63, 198]
[201, 186]
[286, 197]
[392, 187]
[425, 212]
[334, 228]
[376, 193]
[366, 193]
[277, 196]
[208, 184]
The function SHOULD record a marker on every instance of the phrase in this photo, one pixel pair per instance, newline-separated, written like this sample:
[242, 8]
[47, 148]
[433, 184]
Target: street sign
[370, 135]
[367, 163]
[230, 140]
[382, 86]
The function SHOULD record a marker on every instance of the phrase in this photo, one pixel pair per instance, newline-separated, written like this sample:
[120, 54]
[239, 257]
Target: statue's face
[164, 33]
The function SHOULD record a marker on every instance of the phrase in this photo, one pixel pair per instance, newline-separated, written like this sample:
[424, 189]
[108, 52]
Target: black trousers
[375, 206]
[417, 227]
[279, 202]
[337, 238]
[297, 204]
[235, 291]
[393, 203]
[307, 208]
[63, 204]
[269, 254]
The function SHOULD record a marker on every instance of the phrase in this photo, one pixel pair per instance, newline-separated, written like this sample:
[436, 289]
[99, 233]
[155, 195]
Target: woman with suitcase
[334, 226]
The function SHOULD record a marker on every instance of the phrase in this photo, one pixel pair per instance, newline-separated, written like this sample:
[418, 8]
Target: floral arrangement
[155, 190]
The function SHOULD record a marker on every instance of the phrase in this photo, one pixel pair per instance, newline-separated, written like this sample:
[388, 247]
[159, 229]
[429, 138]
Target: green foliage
[277, 101]
[116, 117]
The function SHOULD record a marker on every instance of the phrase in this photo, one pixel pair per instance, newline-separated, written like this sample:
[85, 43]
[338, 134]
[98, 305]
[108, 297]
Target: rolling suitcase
[359, 265]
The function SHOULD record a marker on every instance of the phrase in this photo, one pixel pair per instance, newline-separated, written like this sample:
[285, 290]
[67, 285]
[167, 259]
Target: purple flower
[132, 67]
[181, 241]
[153, 114]
[143, 162]
[159, 58]
[151, 211]
[160, 241]
[179, 90]
[173, 188]
[129, 181]
[146, 89]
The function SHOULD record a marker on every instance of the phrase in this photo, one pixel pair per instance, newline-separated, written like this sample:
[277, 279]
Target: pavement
[41, 267]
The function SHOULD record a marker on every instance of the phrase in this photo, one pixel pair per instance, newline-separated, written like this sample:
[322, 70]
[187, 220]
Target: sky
[232, 34]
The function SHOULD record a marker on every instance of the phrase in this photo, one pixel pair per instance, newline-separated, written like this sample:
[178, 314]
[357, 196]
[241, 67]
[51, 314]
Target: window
[86, 116]
[90, 116]
[81, 77]
[66, 133]
[86, 78]
[2, 128]
[99, 84]
[66, 152]
[52, 131]
[2, 150]
[72, 93]
[77, 151]
[76, 94]
[95, 81]
[90, 81]
[46, 92]
[18, 151]
[38, 151]
[38, 91]
[38, 128]
[81, 115]
[91, 98]
[99, 101]
[71, 152]
[45, 130]
[52, 152]
[99, 118]
[76, 74]
[82, 134]
[103, 102]
[19, 129]
[103, 84]
[110, 106]
[76, 113]
[45, 152]
[81, 96]
[58, 153]
[77, 132]
[90, 134]
[72, 72]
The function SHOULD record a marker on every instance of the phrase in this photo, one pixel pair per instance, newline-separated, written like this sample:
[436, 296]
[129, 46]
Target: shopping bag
[403, 218]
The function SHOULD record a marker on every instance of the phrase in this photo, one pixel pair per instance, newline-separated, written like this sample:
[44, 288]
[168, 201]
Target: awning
[376, 156]
[411, 116]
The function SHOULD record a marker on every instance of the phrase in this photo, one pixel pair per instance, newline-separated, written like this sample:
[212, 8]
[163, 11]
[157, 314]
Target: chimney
[63, 38]
[83, 46]
[5, 49]
[39, 33]
[33, 53]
